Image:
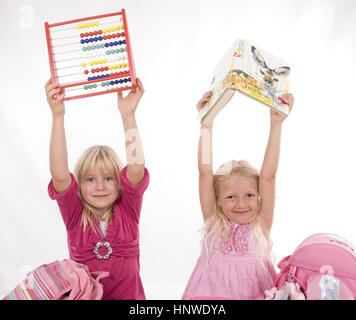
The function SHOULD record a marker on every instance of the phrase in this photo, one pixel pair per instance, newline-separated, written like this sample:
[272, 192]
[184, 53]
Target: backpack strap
[284, 263]
[282, 277]
[100, 274]
[298, 275]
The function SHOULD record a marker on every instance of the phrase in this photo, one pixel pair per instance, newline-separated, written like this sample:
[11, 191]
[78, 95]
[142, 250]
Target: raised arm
[270, 164]
[58, 158]
[134, 150]
[205, 165]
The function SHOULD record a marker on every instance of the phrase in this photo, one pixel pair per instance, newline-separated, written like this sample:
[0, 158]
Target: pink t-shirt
[118, 251]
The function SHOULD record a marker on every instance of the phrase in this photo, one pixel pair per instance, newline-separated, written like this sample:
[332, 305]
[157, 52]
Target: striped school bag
[322, 267]
[59, 280]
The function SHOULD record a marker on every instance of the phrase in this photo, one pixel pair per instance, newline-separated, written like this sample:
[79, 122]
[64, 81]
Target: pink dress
[233, 271]
[117, 252]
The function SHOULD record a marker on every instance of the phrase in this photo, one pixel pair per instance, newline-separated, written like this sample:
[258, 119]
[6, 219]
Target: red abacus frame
[130, 73]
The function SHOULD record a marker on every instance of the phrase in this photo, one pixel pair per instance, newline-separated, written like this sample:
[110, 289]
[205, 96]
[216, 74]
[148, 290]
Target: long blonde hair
[102, 158]
[217, 227]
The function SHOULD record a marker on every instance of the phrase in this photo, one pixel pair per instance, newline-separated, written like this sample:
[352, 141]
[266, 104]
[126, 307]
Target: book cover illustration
[252, 71]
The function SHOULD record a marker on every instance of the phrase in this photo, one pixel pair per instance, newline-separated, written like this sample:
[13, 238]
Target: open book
[252, 71]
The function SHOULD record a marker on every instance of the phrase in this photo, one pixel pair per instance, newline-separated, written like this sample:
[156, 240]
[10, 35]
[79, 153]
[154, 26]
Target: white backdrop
[176, 45]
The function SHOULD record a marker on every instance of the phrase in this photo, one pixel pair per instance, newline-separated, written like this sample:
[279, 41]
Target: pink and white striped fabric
[59, 280]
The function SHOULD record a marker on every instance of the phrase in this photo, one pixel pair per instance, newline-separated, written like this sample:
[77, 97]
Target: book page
[260, 75]
[219, 80]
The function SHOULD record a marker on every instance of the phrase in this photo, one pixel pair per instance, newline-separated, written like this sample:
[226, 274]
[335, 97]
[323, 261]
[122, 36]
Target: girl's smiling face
[100, 189]
[238, 198]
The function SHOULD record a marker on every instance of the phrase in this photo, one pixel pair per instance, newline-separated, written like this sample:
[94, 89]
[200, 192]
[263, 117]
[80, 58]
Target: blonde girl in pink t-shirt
[101, 202]
[237, 204]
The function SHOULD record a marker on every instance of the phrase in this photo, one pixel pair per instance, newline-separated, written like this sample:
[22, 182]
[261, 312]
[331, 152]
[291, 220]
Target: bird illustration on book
[270, 76]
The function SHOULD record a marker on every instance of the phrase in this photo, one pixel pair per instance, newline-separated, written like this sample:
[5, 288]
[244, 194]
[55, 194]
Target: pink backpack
[322, 267]
[59, 280]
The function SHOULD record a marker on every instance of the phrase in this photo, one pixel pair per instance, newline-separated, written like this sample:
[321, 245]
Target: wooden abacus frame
[131, 66]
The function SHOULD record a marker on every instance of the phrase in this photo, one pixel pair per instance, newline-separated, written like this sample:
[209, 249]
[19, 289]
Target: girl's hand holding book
[277, 117]
[201, 103]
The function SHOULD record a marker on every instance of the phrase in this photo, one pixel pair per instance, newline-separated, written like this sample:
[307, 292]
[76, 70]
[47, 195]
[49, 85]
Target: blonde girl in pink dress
[101, 202]
[237, 203]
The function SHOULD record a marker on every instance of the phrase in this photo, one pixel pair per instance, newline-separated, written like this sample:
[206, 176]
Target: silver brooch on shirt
[108, 252]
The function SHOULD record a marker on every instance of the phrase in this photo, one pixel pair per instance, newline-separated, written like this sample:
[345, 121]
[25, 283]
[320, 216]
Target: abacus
[91, 56]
